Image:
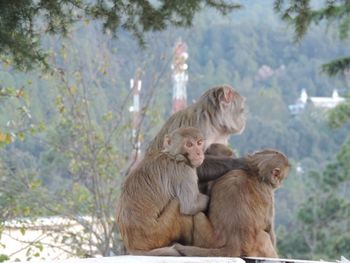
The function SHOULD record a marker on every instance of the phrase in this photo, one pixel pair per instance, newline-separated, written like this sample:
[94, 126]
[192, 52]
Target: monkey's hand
[200, 204]
[203, 201]
[180, 158]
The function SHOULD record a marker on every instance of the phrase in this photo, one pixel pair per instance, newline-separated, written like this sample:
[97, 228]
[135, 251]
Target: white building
[318, 102]
[327, 102]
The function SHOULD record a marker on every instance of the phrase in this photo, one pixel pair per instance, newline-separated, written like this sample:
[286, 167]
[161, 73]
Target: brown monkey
[218, 149]
[148, 217]
[218, 113]
[242, 208]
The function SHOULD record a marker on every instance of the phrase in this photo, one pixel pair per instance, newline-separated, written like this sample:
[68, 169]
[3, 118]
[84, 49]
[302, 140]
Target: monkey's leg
[169, 228]
[162, 251]
[264, 246]
[204, 235]
[200, 252]
[155, 233]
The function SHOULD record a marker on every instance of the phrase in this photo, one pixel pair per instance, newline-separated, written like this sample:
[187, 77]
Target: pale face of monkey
[194, 149]
[187, 142]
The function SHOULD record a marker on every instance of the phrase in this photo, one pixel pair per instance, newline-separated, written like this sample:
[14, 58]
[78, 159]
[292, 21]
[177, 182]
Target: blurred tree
[23, 23]
[301, 14]
[324, 215]
[87, 143]
[101, 66]
[323, 218]
[15, 115]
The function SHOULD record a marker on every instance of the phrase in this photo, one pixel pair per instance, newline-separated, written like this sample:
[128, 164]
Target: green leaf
[23, 230]
[336, 67]
[3, 258]
[42, 126]
[21, 136]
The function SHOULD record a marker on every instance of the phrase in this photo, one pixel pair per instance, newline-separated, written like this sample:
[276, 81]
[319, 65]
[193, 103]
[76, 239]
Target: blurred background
[72, 122]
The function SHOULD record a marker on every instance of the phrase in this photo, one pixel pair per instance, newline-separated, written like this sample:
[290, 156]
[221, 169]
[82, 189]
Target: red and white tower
[135, 86]
[179, 76]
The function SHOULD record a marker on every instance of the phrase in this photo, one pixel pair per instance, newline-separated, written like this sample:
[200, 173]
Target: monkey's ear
[167, 141]
[228, 95]
[276, 172]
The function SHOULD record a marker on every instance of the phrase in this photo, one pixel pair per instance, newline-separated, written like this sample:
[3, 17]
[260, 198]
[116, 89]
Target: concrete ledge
[146, 259]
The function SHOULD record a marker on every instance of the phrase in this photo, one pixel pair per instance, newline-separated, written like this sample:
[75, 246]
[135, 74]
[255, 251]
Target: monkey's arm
[191, 200]
[192, 203]
[214, 167]
[271, 225]
[272, 234]
[273, 238]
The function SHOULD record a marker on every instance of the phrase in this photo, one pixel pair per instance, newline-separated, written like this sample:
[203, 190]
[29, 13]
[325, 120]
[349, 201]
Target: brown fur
[160, 196]
[218, 113]
[242, 208]
[218, 149]
[219, 159]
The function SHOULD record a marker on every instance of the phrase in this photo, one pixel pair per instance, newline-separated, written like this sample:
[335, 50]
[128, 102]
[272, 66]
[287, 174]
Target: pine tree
[23, 23]
[301, 14]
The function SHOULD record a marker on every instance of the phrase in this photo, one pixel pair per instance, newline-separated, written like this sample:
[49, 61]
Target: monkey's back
[144, 195]
[248, 210]
[188, 117]
[145, 191]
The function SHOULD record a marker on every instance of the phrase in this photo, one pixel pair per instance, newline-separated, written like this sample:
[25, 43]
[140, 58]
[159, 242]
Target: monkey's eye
[199, 142]
[189, 144]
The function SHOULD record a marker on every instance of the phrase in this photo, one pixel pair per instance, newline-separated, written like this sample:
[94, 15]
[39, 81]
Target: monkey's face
[188, 142]
[277, 175]
[194, 151]
[272, 176]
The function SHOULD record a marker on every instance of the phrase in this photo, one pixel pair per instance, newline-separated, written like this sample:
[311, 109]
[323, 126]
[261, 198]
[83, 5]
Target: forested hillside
[68, 130]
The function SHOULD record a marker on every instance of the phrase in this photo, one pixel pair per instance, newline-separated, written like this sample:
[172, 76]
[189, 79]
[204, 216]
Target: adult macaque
[241, 209]
[218, 113]
[149, 216]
